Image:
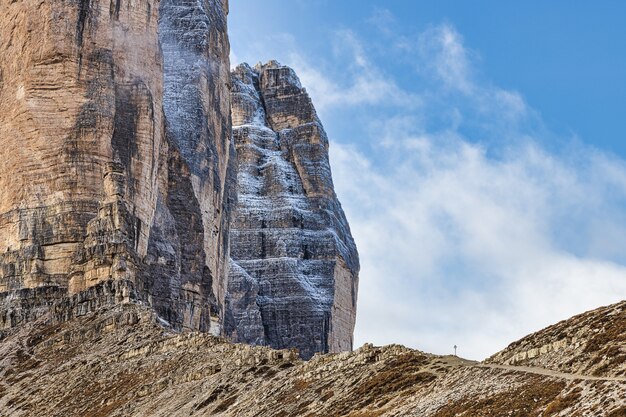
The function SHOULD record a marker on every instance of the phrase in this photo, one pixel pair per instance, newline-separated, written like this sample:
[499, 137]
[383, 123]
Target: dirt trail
[549, 372]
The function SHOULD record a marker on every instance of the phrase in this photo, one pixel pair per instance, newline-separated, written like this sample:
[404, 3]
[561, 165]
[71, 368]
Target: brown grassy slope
[592, 343]
[120, 362]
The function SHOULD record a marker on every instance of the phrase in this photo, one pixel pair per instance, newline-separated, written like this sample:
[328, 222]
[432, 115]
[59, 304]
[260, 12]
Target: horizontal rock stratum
[118, 122]
[149, 197]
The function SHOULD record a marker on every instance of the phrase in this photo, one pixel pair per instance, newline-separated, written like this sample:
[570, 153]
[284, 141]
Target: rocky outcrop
[81, 119]
[294, 271]
[52, 306]
[119, 145]
[116, 194]
[591, 343]
[120, 361]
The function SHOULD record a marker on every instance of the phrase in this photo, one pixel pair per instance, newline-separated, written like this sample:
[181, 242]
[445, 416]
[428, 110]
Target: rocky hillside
[139, 213]
[294, 276]
[122, 361]
[592, 343]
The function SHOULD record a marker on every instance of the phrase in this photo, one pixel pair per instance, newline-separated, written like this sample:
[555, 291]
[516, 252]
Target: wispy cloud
[446, 57]
[470, 245]
[459, 248]
[383, 20]
[363, 83]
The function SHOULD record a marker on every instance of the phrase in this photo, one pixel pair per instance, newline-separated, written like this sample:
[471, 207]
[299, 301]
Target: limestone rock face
[52, 305]
[196, 52]
[81, 132]
[114, 160]
[116, 124]
[294, 271]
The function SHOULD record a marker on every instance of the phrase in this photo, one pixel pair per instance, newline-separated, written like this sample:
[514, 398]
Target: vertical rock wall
[196, 52]
[294, 270]
[97, 181]
[118, 169]
[82, 132]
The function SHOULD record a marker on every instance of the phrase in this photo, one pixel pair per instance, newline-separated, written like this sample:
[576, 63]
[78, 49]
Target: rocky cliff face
[195, 213]
[117, 185]
[119, 145]
[123, 168]
[294, 271]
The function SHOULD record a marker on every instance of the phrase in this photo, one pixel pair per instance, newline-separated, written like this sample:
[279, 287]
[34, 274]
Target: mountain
[117, 119]
[156, 207]
[122, 361]
[294, 272]
[123, 168]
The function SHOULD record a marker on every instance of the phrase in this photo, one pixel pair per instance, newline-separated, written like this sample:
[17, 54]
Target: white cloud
[383, 20]
[447, 57]
[460, 250]
[363, 82]
[459, 246]
[442, 55]
[234, 60]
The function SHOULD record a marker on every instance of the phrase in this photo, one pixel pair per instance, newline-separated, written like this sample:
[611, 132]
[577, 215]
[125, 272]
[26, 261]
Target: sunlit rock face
[81, 120]
[116, 150]
[294, 270]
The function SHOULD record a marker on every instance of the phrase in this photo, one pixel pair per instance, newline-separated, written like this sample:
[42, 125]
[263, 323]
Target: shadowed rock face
[294, 270]
[114, 204]
[196, 103]
[120, 150]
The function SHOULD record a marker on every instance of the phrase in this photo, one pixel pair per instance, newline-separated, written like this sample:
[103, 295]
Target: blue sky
[490, 142]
